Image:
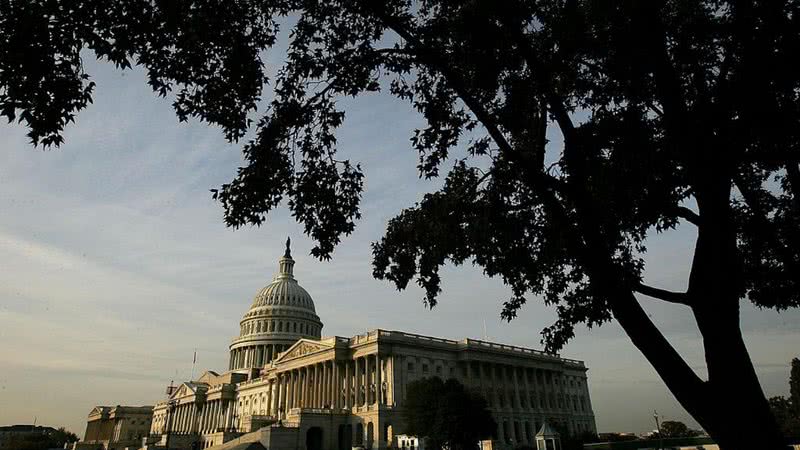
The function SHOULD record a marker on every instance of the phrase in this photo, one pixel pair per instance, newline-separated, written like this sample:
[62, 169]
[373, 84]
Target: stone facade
[116, 427]
[289, 388]
[352, 389]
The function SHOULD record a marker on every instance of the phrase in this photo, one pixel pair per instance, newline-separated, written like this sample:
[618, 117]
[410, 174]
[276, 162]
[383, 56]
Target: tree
[788, 421]
[673, 114]
[446, 415]
[45, 440]
[787, 411]
[676, 429]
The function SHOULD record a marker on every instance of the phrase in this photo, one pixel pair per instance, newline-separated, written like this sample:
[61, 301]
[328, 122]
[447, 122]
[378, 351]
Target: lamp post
[658, 429]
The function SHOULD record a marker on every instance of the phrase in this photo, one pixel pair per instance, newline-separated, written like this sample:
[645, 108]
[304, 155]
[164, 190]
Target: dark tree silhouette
[44, 440]
[446, 414]
[676, 429]
[672, 112]
[787, 410]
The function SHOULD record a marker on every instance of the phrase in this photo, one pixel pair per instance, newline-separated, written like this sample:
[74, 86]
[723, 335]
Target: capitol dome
[281, 313]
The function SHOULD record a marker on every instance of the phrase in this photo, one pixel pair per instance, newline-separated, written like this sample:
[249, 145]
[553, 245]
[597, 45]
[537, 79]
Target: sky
[116, 266]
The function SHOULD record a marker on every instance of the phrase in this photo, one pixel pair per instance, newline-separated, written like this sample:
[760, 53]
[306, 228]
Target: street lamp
[658, 430]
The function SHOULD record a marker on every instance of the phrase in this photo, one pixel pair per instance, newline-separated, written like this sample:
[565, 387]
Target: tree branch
[644, 334]
[688, 215]
[680, 298]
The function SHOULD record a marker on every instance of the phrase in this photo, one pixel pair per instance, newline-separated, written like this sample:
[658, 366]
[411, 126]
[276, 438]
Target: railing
[474, 342]
[510, 348]
[417, 337]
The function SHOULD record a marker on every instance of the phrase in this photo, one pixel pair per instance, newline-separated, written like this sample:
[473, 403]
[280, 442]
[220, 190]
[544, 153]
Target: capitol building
[288, 387]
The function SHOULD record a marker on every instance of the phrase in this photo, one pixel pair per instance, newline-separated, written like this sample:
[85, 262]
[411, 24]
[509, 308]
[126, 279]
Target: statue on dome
[288, 253]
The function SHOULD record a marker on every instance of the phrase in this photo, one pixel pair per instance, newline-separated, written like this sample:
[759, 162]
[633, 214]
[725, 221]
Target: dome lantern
[286, 264]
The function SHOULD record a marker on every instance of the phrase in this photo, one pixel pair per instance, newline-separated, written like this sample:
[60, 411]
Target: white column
[380, 378]
[358, 382]
[181, 409]
[271, 401]
[328, 401]
[218, 413]
[368, 380]
[292, 390]
[390, 380]
[325, 384]
[282, 394]
[315, 396]
[337, 391]
[277, 398]
[183, 418]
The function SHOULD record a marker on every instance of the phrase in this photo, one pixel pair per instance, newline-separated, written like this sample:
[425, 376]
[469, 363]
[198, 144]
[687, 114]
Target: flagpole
[194, 360]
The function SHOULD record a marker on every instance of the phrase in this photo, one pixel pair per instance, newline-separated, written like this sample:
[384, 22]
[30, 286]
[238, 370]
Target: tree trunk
[740, 414]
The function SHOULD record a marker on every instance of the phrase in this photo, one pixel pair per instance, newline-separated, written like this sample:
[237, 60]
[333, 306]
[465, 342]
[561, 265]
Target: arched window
[271, 325]
[280, 326]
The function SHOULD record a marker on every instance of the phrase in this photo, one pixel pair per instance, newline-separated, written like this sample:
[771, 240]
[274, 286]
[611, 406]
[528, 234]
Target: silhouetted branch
[680, 298]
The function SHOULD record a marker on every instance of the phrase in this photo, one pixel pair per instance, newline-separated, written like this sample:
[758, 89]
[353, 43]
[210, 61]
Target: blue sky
[116, 265]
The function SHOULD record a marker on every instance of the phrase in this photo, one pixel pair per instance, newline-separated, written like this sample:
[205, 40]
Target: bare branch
[680, 298]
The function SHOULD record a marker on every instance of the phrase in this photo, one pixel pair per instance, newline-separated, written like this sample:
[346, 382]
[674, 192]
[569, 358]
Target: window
[411, 367]
[424, 368]
[438, 370]
[295, 327]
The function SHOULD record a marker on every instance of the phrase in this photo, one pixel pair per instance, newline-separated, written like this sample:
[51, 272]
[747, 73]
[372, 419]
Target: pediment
[182, 391]
[303, 347]
[208, 377]
[99, 411]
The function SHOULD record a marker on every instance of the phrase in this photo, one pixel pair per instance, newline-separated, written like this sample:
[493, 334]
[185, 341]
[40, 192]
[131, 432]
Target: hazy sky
[115, 265]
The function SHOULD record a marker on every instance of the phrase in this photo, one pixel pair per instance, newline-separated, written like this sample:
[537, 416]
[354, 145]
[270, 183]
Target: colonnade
[327, 384]
[208, 418]
[527, 389]
[254, 356]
